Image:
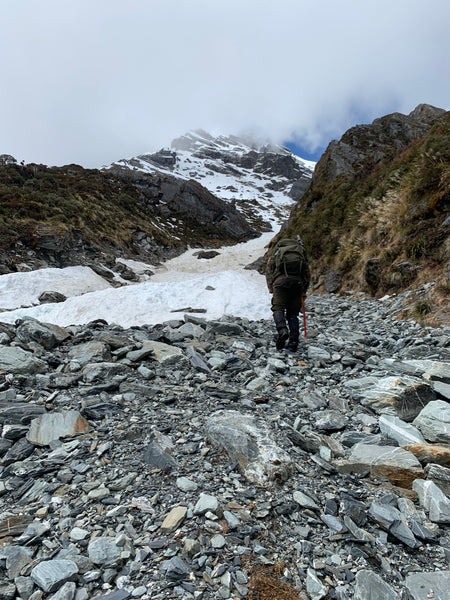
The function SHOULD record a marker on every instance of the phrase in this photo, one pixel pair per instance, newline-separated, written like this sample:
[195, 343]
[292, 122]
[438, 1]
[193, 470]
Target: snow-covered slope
[262, 180]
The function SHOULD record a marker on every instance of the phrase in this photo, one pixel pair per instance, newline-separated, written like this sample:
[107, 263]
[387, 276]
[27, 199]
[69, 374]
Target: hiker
[288, 276]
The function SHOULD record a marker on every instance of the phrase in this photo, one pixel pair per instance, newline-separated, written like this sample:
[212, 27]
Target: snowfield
[220, 286]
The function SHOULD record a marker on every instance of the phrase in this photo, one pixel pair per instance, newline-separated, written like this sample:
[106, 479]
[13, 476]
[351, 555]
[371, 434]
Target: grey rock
[314, 586]
[332, 282]
[441, 389]
[329, 420]
[224, 328]
[66, 592]
[104, 551]
[166, 355]
[433, 500]
[429, 369]
[396, 429]
[428, 584]
[248, 443]
[401, 467]
[89, 352]
[19, 451]
[175, 569]
[206, 503]
[50, 575]
[318, 354]
[45, 334]
[52, 426]
[440, 476]
[186, 485]
[51, 297]
[15, 360]
[398, 396]
[370, 586]
[304, 500]
[434, 421]
[158, 452]
[16, 557]
[7, 591]
[394, 522]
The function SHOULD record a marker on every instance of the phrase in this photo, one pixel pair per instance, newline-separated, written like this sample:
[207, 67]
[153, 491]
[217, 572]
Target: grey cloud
[91, 82]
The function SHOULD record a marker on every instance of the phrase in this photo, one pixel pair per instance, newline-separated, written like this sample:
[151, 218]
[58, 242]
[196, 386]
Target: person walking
[288, 277]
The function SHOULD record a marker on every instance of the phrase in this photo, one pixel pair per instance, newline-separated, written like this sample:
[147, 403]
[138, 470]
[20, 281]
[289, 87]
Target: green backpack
[289, 258]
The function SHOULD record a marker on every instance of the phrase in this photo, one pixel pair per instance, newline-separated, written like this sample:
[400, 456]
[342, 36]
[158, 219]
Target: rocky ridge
[192, 460]
[259, 179]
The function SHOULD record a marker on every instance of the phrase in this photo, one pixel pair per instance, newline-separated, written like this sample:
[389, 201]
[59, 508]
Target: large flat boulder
[434, 421]
[248, 442]
[52, 426]
[16, 360]
[396, 464]
[402, 397]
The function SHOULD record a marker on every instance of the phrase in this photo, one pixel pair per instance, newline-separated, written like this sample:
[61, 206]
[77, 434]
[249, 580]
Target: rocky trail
[191, 460]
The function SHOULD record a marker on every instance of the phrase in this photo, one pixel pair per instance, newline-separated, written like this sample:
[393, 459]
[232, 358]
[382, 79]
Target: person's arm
[269, 275]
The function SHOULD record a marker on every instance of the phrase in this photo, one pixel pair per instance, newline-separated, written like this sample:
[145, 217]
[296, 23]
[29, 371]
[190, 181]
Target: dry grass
[265, 583]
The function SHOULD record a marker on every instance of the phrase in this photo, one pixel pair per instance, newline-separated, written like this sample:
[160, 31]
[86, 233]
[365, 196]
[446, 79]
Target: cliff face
[376, 215]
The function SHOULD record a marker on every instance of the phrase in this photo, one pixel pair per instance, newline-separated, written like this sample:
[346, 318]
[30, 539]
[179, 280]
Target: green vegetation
[392, 210]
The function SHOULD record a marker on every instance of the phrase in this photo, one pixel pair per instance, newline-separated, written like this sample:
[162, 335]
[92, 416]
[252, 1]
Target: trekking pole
[304, 315]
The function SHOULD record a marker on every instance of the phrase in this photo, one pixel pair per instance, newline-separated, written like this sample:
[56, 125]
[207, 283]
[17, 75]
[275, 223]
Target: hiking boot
[294, 332]
[283, 333]
[282, 336]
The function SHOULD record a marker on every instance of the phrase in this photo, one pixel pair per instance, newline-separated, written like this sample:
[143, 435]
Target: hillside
[60, 216]
[376, 215]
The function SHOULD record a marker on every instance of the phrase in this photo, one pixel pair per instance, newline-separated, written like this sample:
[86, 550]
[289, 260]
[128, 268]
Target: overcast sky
[92, 81]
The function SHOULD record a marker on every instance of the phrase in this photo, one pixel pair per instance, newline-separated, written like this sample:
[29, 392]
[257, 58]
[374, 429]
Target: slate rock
[428, 584]
[175, 569]
[19, 451]
[158, 452]
[15, 360]
[44, 334]
[50, 575]
[434, 421]
[440, 476]
[49, 297]
[433, 500]
[403, 397]
[104, 551]
[247, 441]
[165, 354]
[398, 465]
[430, 453]
[66, 592]
[370, 586]
[52, 426]
[396, 429]
[89, 352]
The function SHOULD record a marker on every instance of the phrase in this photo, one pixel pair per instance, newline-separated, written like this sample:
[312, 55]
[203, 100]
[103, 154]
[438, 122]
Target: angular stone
[50, 297]
[430, 453]
[22, 449]
[7, 591]
[399, 396]
[19, 413]
[15, 360]
[186, 485]
[305, 501]
[440, 476]
[428, 584]
[429, 369]
[158, 452]
[164, 354]
[89, 352]
[398, 465]
[434, 421]
[433, 500]
[104, 551]
[50, 575]
[196, 360]
[206, 503]
[442, 389]
[103, 371]
[314, 586]
[329, 420]
[370, 586]
[45, 334]
[396, 429]
[391, 519]
[224, 328]
[66, 592]
[174, 519]
[53, 426]
[318, 354]
[175, 569]
[16, 557]
[247, 441]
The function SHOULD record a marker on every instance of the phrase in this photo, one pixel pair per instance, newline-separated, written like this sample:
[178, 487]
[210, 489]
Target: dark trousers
[287, 300]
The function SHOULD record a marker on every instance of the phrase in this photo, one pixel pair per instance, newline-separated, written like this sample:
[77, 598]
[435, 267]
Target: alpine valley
[155, 444]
